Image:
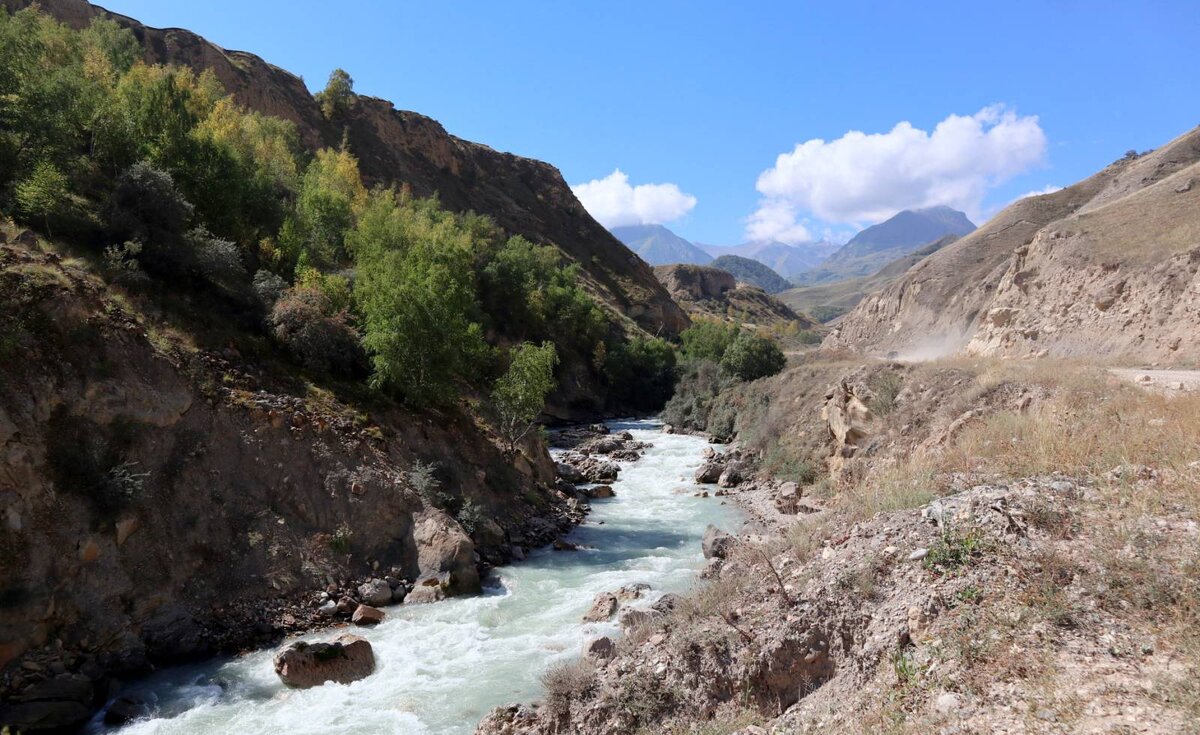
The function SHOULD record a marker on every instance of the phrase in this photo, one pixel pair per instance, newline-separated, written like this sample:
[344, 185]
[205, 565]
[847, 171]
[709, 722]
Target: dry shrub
[566, 683]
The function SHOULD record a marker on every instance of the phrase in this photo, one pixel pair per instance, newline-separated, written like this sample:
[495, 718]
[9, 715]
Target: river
[440, 668]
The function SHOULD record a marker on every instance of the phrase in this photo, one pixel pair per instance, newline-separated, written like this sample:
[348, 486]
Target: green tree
[44, 194]
[640, 373]
[751, 357]
[520, 394]
[338, 96]
[707, 340]
[416, 287]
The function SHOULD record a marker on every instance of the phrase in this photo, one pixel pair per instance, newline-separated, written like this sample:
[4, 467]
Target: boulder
[375, 592]
[734, 474]
[446, 552]
[602, 491]
[564, 545]
[602, 609]
[709, 472]
[787, 499]
[430, 589]
[716, 543]
[668, 603]
[125, 709]
[569, 473]
[599, 649]
[634, 618]
[632, 591]
[367, 615]
[345, 659]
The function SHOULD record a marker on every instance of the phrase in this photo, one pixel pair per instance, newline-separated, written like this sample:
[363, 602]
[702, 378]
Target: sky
[756, 120]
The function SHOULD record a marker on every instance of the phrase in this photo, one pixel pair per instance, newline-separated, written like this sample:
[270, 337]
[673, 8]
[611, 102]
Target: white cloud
[613, 202]
[1048, 189]
[864, 177]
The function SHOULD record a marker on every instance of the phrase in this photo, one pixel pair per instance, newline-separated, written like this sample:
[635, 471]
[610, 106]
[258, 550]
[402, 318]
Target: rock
[172, 634]
[734, 474]
[918, 555]
[788, 498]
[599, 649]
[367, 615]
[425, 591]
[125, 709]
[33, 717]
[345, 659]
[602, 609]
[569, 473]
[564, 545]
[346, 606]
[716, 543]
[125, 528]
[712, 568]
[444, 549]
[399, 593]
[67, 687]
[668, 603]
[709, 473]
[375, 592]
[634, 618]
[632, 591]
[328, 609]
[947, 703]
[602, 491]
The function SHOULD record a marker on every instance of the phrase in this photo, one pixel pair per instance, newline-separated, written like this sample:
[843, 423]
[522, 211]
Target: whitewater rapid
[440, 668]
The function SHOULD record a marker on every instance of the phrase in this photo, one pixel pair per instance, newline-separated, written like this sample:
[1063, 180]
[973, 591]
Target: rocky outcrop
[345, 659]
[712, 293]
[1109, 267]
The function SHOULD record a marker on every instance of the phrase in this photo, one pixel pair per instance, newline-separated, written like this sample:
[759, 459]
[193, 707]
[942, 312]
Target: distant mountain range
[659, 246]
[878, 245]
[806, 263]
[748, 270]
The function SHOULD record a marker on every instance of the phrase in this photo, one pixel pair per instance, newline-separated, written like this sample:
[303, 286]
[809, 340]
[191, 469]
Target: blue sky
[707, 95]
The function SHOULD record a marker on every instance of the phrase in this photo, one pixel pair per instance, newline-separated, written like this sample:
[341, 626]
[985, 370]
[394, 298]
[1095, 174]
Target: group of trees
[159, 170]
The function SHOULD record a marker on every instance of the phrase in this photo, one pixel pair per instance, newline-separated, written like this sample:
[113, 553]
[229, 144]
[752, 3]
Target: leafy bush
[268, 287]
[323, 341]
[886, 387]
[640, 373]
[751, 357]
[708, 340]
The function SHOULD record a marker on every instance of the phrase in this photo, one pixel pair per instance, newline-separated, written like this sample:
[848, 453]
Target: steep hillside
[712, 293]
[827, 301]
[748, 270]
[1105, 268]
[786, 260]
[659, 246]
[522, 195]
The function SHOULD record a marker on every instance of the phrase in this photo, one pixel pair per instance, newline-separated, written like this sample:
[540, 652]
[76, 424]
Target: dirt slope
[1107, 267]
[523, 196]
[712, 293]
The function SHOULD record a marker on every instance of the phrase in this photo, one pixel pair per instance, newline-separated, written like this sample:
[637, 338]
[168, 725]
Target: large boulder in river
[602, 608]
[733, 475]
[716, 543]
[345, 659]
[446, 552]
[709, 472]
[375, 592]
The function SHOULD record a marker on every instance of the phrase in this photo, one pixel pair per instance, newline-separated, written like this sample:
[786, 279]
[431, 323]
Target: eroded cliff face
[523, 196]
[161, 501]
[712, 293]
[1107, 267]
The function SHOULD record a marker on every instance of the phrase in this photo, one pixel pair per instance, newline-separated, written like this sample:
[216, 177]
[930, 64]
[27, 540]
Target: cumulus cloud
[863, 177]
[613, 202]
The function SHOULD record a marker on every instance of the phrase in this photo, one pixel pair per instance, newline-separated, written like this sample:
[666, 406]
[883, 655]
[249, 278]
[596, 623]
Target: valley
[316, 417]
